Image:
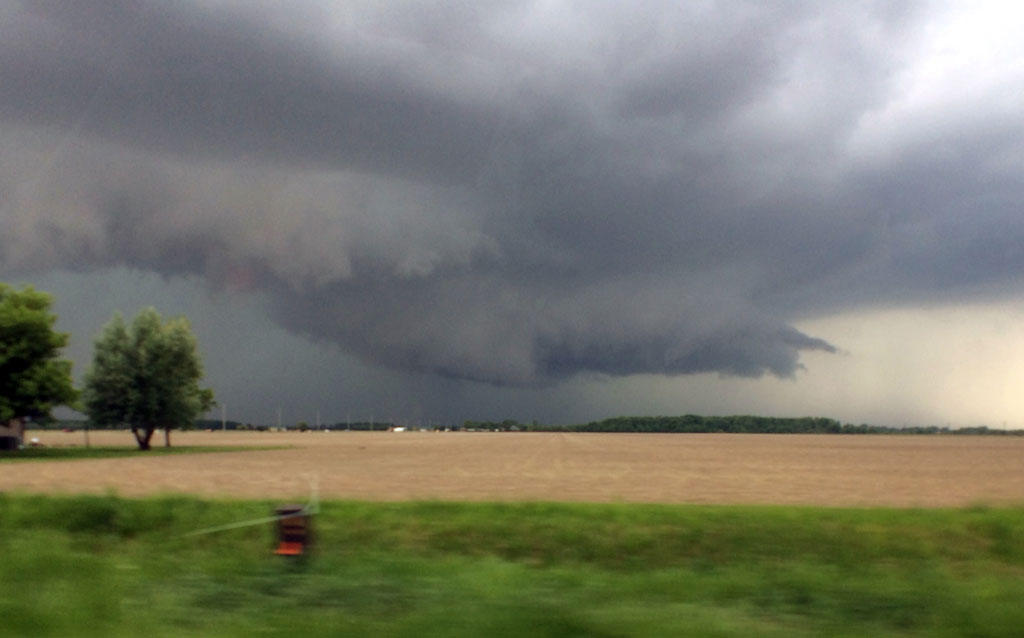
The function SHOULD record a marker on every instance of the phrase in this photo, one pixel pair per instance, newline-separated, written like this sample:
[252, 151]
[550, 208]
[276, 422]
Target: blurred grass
[102, 565]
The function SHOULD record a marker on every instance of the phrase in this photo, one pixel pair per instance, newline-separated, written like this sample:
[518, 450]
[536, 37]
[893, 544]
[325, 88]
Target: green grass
[108, 566]
[105, 452]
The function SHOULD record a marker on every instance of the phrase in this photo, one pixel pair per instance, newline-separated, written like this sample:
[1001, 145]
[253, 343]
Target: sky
[550, 211]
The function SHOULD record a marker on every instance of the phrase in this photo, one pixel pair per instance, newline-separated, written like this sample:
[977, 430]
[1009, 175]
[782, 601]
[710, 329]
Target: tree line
[748, 424]
[694, 423]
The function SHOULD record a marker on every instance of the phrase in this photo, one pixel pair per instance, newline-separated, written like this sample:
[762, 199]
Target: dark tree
[33, 376]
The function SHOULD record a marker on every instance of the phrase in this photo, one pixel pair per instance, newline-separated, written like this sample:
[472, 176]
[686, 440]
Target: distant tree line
[693, 423]
[689, 423]
[747, 424]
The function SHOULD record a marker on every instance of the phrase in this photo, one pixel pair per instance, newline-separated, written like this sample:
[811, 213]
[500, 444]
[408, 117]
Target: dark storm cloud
[208, 81]
[514, 192]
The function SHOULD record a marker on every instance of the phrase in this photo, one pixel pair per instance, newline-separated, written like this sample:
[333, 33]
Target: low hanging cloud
[517, 192]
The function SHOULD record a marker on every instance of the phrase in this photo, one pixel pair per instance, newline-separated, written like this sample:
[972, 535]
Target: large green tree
[33, 376]
[146, 376]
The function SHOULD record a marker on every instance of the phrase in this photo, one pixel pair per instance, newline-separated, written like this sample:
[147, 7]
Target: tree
[33, 377]
[146, 377]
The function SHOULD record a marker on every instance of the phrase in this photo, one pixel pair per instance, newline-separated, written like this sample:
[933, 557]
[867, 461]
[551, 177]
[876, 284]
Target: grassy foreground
[106, 566]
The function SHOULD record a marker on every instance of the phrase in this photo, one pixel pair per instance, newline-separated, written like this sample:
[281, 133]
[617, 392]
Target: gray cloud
[515, 192]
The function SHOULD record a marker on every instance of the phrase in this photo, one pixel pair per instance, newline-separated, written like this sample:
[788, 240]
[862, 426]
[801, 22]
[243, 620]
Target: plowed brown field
[662, 468]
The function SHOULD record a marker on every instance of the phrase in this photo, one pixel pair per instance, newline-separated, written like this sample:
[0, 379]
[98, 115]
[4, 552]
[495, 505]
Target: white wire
[310, 508]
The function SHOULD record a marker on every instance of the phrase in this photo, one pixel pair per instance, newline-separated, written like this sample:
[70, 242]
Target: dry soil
[897, 471]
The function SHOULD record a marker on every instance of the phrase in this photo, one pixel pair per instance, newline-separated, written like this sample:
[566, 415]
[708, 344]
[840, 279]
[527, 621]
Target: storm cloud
[519, 192]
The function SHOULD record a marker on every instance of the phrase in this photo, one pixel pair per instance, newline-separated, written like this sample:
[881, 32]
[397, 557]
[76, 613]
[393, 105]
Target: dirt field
[663, 468]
